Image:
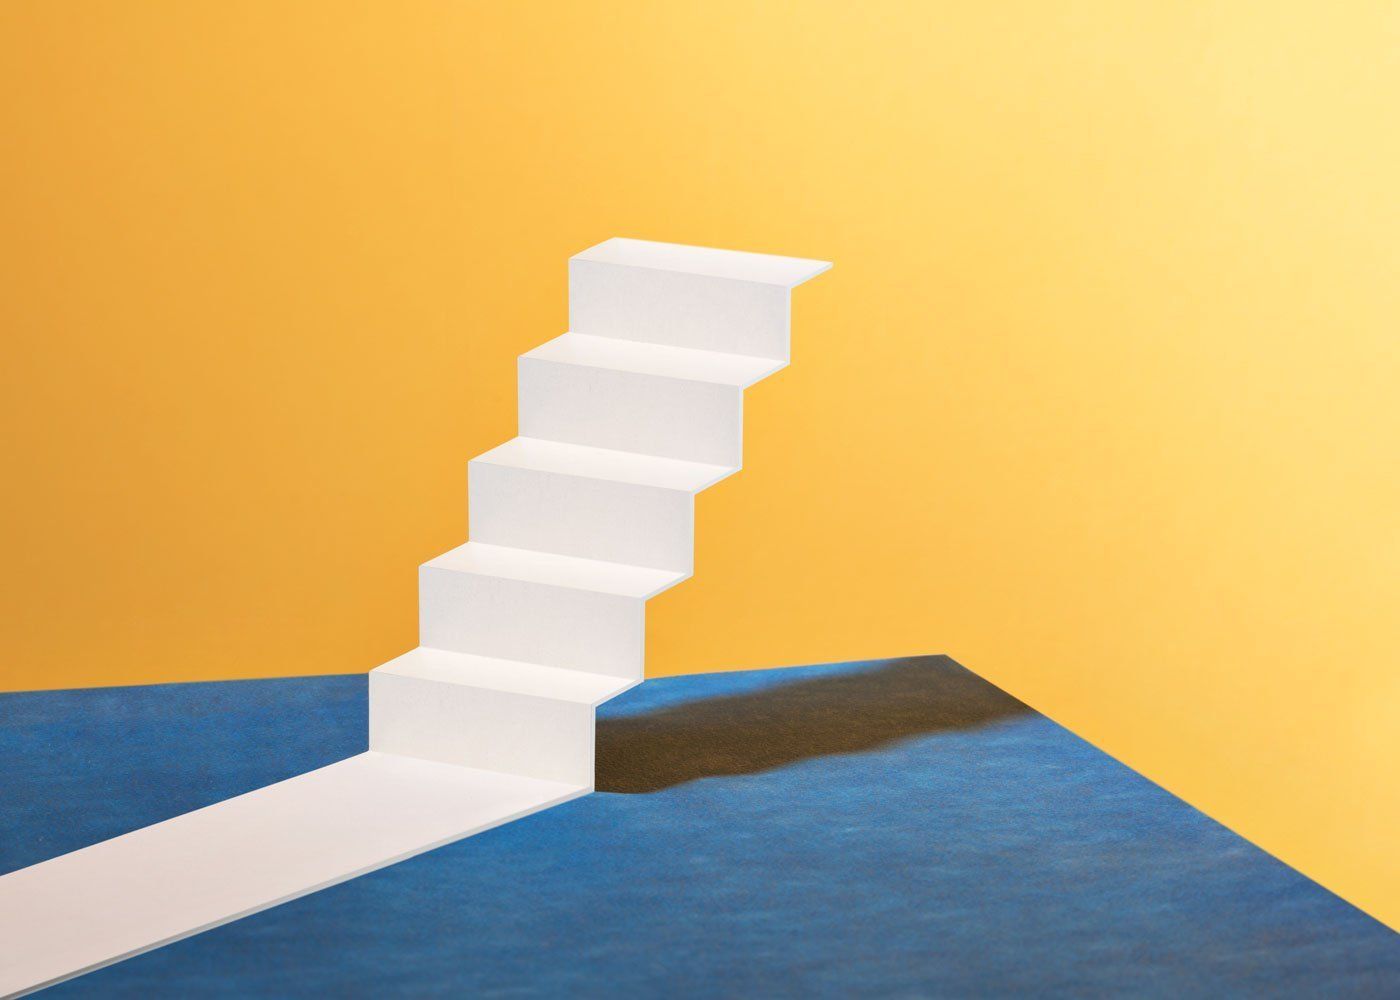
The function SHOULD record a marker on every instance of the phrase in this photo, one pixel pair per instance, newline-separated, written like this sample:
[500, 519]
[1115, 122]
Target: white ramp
[524, 630]
[133, 893]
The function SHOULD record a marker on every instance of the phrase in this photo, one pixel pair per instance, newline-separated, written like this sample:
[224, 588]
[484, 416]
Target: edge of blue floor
[960, 845]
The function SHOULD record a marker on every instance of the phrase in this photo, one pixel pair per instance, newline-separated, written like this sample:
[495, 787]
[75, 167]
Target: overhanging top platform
[736, 265]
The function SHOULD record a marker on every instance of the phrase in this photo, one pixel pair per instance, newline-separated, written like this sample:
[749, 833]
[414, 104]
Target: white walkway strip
[133, 893]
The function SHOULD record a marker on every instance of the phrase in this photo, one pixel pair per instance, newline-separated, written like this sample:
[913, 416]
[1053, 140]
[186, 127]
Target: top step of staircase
[695, 297]
[736, 265]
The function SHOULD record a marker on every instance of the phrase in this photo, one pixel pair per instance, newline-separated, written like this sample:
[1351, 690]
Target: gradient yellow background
[1099, 399]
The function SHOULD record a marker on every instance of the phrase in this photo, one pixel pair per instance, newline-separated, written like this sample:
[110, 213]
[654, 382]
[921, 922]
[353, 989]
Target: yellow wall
[1099, 398]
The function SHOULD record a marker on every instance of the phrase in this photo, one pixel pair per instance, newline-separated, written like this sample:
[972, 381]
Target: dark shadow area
[839, 714]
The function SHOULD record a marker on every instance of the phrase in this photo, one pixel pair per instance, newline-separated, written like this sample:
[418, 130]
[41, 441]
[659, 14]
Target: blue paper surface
[877, 829]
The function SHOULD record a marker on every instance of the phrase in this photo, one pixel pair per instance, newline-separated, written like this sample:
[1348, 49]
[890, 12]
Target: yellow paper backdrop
[1099, 398]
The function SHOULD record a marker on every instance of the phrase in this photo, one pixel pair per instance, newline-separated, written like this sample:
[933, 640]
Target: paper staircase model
[524, 630]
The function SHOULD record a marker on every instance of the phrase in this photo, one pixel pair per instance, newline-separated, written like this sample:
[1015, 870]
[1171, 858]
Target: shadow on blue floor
[873, 829]
[817, 715]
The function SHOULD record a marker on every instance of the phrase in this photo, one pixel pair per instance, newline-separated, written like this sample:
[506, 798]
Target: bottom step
[499, 715]
[132, 893]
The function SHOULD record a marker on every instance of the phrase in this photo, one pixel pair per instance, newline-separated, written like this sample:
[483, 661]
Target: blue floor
[895, 829]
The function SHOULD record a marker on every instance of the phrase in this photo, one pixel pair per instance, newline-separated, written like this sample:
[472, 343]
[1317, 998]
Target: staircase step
[699, 297]
[594, 503]
[539, 455]
[662, 360]
[490, 713]
[538, 607]
[665, 401]
[736, 265]
[508, 676]
[551, 570]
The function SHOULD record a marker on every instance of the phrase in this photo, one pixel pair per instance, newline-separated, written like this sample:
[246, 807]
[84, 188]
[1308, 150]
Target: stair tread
[605, 463]
[645, 358]
[739, 265]
[555, 570]
[513, 676]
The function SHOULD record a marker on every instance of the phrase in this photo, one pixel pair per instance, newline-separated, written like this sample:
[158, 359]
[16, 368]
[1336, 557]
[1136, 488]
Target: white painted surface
[631, 411]
[524, 630]
[127, 895]
[605, 463]
[683, 310]
[587, 516]
[512, 676]
[738, 265]
[713, 300]
[688, 364]
[482, 727]
[552, 570]
[468, 605]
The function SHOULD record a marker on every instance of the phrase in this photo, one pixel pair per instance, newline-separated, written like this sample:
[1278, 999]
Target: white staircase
[524, 630]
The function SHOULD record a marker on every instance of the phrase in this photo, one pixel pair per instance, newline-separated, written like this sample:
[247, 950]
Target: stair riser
[575, 516]
[650, 414]
[477, 727]
[537, 623]
[683, 310]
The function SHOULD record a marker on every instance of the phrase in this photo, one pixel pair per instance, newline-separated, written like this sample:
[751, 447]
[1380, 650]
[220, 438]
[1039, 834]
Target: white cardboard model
[524, 629]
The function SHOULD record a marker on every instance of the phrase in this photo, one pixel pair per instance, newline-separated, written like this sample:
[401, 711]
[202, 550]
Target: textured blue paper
[977, 851]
